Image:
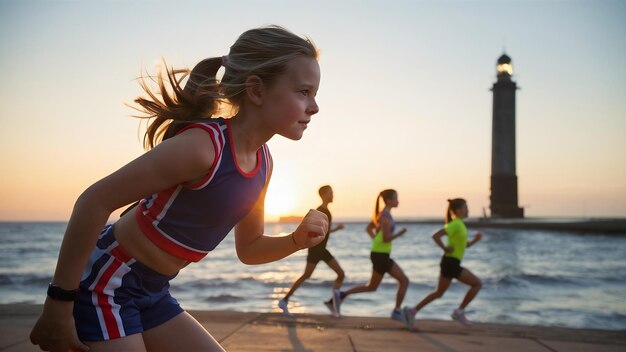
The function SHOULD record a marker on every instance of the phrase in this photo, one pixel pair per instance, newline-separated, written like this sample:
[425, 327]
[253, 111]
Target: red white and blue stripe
[189, 220]
[119, 296]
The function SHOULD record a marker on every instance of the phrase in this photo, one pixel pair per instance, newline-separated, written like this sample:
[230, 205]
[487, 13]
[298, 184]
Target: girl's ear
[254, 89]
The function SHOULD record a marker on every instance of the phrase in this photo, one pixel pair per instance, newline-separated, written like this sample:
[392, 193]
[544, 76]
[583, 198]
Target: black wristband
[55, 292]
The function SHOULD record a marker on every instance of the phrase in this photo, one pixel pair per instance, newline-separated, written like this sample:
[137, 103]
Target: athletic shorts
[450, 267]
[381, 262]
[119, 296]
[316, 255]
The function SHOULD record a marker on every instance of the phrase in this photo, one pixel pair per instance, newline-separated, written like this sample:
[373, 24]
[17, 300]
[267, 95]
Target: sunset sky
[404, 99]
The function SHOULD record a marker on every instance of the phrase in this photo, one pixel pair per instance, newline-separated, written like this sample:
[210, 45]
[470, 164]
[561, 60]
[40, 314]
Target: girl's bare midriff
[138, 246]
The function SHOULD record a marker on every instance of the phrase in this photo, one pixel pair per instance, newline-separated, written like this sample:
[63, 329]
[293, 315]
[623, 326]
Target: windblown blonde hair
[264, 52]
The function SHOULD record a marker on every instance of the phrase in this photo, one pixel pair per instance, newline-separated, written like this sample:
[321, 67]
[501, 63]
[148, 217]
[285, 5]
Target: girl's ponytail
[173, 107]
[449, 211]
[377, 209]
[264, 52]
[385, 195]
[453, 204]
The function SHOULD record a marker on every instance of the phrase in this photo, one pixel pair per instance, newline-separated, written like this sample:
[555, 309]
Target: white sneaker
[282, 304]
[336, 303]
[409, 318]
[459, 315]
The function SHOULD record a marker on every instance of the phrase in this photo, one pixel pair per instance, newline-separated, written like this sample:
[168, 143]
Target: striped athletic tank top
[189, 220]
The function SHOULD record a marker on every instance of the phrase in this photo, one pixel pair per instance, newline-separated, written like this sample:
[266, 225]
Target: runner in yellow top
[382, 230]
[450, 264]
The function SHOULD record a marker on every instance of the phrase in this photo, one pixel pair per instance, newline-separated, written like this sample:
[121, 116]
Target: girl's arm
[337, 228]
[186, 157]
[437, 238]
[477, 238]
[385, 225]
[399, 233]
[254, 247]
[183, 158]
[371, 229]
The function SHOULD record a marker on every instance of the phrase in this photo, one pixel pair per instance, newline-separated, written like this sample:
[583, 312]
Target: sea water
[529, 277]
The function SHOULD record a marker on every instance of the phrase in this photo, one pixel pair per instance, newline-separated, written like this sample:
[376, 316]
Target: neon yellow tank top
[457, 238]
[380, 246]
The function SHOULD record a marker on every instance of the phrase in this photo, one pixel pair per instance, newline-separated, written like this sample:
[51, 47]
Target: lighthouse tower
[503, 171]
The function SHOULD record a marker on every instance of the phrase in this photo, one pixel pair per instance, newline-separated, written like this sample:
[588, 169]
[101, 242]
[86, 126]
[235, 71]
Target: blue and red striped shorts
[119, 296]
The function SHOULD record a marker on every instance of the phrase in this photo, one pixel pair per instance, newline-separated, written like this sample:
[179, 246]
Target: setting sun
[280, 199]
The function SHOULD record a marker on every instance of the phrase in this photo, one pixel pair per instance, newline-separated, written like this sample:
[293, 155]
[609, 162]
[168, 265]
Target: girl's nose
[313, 108]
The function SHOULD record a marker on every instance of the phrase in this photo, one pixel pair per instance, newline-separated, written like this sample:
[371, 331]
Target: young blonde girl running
[202, 176]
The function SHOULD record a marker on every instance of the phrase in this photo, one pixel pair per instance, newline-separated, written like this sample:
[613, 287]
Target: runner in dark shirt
[318, 253]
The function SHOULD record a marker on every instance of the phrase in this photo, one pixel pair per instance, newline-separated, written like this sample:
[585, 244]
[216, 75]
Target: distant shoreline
[582, 225]
[616, 226]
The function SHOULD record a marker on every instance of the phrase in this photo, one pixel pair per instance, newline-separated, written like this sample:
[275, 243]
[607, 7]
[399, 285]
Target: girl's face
[392, 201]
[290, 102]
[328, 196]
[462, 212]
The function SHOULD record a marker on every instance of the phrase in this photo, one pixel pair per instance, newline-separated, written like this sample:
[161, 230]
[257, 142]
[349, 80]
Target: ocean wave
[526, 280]
[5, 280]
[24, 279]
[224, 298]
[203, 285]
[20, 252]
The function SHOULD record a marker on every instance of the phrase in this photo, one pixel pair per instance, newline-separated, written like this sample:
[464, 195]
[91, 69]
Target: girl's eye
[304, 92]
